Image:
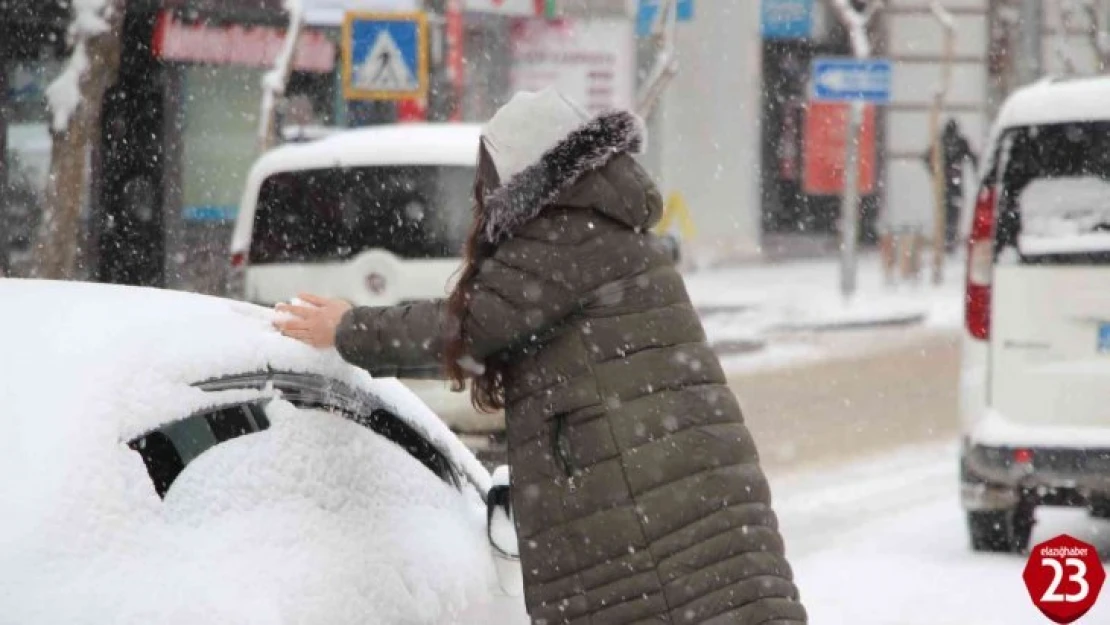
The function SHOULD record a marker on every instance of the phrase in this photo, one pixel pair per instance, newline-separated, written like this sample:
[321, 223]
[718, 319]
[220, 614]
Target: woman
[636, 487]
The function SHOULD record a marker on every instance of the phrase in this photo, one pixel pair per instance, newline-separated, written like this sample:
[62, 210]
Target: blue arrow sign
[846, 80]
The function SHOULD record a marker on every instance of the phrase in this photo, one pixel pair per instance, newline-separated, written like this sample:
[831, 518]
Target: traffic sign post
[1064, 577]
[385, 56]
[858, 81]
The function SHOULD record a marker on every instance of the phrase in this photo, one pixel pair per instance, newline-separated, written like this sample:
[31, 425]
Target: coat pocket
[560, 444]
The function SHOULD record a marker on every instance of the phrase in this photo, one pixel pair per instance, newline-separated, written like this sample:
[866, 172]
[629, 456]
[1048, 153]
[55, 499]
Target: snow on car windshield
[313, 520]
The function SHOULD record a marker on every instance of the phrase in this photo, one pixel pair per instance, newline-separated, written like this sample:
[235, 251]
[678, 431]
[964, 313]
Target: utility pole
[855, 21]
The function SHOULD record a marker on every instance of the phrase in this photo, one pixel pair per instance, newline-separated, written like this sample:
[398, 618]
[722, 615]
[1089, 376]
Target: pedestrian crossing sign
[385, 56]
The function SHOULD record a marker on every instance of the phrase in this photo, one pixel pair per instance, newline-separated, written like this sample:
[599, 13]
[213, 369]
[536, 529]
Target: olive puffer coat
[636, 486]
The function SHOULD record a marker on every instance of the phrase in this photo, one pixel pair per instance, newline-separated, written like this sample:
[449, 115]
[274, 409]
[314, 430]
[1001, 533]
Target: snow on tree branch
[856, 23]
[1100, 39]
[274, 81]
[943, 15]
[90, 19]
[1065, 13]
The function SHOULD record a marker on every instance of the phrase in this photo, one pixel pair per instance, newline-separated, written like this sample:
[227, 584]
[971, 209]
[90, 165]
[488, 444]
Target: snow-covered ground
[882, 541]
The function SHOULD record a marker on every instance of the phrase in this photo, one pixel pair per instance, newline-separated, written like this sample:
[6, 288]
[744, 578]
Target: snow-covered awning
[330, 12]
[316, 12]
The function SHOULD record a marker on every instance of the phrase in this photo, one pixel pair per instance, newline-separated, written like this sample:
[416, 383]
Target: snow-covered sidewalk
[751, 307]
[807, 293]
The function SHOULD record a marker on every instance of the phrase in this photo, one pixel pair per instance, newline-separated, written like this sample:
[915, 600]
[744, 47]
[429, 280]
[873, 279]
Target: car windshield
[1056, 191]
[327, 215]
[167, 450]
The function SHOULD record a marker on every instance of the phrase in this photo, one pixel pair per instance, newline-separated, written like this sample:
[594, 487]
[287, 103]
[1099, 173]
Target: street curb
[833, 326]
[724, 309]
[733, 347]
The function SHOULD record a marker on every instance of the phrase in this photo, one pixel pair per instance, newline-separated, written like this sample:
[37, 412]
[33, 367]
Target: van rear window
[324, 215]
[1055, 193]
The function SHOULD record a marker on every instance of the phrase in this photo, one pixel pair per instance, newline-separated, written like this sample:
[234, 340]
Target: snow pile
[313, 520]
[90, 19]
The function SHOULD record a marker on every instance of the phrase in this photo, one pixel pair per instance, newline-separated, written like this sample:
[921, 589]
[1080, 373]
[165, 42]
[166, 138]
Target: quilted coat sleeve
[403, 341]
[525, 288]
[515, 298]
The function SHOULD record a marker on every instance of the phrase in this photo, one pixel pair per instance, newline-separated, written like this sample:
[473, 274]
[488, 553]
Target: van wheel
[1005, 531]
[1100, 507]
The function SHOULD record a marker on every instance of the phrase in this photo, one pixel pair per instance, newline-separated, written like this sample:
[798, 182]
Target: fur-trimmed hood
[586, 148]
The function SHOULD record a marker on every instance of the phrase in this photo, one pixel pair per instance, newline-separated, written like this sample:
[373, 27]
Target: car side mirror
[499, 516]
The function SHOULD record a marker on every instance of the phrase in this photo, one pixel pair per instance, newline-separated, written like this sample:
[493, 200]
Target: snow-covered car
[169, 458]
[377, 216]
[1035, 391]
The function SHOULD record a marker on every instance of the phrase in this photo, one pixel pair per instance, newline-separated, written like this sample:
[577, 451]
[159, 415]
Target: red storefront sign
[826, 128]
[237, 44]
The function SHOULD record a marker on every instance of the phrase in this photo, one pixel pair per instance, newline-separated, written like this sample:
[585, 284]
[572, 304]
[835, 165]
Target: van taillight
[980, 261]
[238, 260]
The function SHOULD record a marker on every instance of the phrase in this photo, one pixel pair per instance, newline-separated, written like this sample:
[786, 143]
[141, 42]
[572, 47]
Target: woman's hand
[315, 324]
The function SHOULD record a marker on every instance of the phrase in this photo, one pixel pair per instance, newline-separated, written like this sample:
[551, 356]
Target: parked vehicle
[1036, 361]
[377, 216]
[169, 457]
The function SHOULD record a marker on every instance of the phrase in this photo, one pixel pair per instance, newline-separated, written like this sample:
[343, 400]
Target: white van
[377, 216]
[1035, 388]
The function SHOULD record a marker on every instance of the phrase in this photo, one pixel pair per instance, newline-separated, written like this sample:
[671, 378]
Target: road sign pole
[855, 21]
[849, 207]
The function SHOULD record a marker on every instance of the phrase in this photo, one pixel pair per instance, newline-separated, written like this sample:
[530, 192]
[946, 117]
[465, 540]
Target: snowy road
[882, 542]
[866, 392]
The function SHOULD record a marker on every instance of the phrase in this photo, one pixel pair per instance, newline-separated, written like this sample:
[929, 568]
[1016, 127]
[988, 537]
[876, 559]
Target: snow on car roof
[452, 145]
[394, 144]
[115, 361]
[1051, 101]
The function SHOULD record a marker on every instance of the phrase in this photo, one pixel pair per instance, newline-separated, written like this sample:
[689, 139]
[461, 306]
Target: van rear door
[374, 235]
[1050, 308]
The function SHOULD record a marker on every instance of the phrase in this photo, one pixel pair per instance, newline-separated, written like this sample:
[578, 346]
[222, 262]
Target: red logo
[375, 283]
[1064, 577]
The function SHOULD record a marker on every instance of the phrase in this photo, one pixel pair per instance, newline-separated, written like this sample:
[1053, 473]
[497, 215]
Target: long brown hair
[487, 390]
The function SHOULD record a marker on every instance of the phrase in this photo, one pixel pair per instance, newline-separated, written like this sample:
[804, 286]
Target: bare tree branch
[273, 83]
[856, 22]
[1065, 13]
[666, 61]
[1099, 38]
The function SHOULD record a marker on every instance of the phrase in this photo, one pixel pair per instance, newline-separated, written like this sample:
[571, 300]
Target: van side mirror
[501, 529]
